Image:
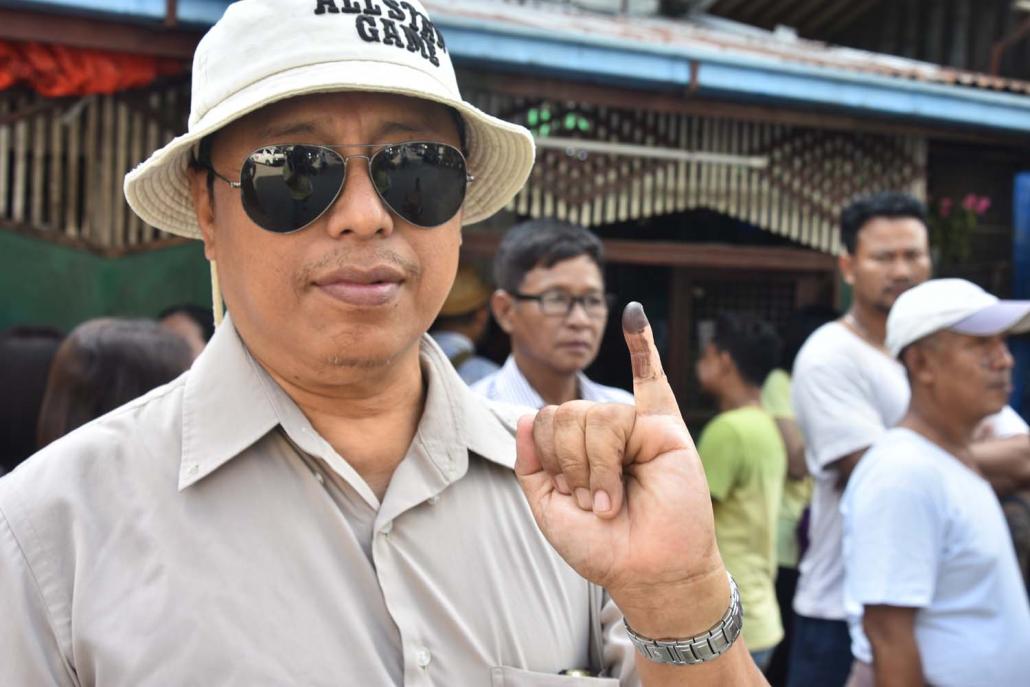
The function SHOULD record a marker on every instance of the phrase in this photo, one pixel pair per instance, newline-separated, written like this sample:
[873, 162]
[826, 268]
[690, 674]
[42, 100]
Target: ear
[203, 206]
[917, 361]
[847, 267]
[502, 305]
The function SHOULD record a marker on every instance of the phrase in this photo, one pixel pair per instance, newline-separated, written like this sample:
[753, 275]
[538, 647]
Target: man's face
[972, 374]
[891, 256]
[712, 368]
[562, 343]
[357, 287]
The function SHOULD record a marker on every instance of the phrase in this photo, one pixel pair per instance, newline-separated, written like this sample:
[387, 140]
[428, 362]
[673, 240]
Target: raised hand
[620, 493]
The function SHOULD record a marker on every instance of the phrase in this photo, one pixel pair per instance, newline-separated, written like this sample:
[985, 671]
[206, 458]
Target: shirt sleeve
[31, 654]
[720, 450]
[835, 415]
[1006, 423]
[620, 656]
[893, 540]
[776, 395]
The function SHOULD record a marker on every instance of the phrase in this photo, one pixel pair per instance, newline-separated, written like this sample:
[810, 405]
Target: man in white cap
[847, 390]
[932, 589]
[320, 499]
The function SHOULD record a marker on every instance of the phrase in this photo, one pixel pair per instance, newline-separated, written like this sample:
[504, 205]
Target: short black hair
[541, 243]
[890, 204]
[204, 318]
[751, 342]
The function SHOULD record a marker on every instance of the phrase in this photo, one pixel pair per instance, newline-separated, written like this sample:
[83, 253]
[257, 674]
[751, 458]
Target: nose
[901, 267]
[578, 316]
[1002, 356]
[358, 210]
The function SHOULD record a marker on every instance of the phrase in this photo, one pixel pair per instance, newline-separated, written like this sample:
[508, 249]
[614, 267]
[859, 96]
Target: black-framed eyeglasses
[558, 303]
[286, 187]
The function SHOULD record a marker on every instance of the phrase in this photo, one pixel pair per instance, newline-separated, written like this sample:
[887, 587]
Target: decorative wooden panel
[810, 173]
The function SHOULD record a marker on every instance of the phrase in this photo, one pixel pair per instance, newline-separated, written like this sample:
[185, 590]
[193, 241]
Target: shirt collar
[225, 408]
[511, 384]
[230, 403]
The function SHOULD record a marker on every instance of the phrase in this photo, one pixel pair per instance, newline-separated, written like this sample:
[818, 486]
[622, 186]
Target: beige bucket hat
[263, 51]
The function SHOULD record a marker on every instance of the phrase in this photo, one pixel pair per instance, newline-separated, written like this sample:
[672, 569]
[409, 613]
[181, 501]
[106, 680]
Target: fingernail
[583, 498]
[633, 318]
[602, 502]
[562, 484]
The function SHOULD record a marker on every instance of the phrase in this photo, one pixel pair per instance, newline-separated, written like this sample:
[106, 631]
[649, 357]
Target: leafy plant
[952, 224]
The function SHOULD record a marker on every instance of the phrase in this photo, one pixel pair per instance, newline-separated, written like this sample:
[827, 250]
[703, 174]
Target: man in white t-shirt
[847, 392]
[932, 589]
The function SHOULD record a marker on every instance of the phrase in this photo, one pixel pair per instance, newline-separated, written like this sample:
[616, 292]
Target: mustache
[345, 258]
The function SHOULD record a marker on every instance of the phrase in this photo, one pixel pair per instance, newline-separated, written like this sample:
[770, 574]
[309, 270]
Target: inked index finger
[651, 388]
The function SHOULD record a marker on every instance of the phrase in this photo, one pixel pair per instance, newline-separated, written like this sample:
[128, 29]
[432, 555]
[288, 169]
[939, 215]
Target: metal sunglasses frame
[469, 178]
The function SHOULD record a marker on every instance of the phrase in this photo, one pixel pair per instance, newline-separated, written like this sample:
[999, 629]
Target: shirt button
[387, 528]
[433, 500]
[192, 468]
[423, 657]
[318, 476]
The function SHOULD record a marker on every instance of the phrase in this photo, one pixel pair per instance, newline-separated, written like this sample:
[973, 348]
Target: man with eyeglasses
[552, 303]
[321, 499]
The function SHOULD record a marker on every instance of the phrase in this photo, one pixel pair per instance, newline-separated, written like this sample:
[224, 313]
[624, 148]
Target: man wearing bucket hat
[462, 323]
[932, 589]
[320, 499]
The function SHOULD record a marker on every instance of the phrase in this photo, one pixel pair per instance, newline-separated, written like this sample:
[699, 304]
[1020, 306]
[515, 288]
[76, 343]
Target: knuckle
[571, 413]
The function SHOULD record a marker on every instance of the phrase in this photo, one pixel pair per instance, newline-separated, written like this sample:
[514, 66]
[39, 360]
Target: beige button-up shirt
[206, 534]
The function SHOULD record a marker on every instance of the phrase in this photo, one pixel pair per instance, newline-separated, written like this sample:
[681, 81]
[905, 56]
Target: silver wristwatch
[700, 648]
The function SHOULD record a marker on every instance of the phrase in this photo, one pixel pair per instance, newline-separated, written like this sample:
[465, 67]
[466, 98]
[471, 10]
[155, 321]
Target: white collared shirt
[510, 386]
[206, 534]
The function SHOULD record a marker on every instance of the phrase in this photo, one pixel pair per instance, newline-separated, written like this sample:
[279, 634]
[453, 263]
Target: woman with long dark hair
[103, 364]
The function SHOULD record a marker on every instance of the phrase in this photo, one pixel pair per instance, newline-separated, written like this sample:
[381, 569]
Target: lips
[366, 287]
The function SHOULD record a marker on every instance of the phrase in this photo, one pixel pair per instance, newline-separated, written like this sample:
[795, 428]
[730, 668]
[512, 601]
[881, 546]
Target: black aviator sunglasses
[286, 187]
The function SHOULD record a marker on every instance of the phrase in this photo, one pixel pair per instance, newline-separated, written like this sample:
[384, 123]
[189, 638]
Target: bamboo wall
[62, 161]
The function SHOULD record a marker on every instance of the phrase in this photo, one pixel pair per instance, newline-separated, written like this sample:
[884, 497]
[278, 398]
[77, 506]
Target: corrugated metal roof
[713, 34]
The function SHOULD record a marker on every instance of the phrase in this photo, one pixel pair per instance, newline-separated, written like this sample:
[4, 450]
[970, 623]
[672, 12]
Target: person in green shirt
[745, 461]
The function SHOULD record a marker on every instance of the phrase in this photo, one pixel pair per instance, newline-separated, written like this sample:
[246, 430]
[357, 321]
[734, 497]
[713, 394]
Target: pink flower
[982, 205]
[944, 207]
[969, 202]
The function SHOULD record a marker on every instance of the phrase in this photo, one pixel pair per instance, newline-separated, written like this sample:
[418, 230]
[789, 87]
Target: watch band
[699, 648]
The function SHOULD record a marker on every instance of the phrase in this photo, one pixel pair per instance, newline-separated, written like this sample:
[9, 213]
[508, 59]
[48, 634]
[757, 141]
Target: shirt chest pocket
[503, 676]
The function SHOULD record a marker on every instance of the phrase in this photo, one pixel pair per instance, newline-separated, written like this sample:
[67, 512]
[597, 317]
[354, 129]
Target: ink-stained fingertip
[634, 320]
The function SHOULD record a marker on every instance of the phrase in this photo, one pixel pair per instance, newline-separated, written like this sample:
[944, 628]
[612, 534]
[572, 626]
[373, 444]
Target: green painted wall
[44, 283]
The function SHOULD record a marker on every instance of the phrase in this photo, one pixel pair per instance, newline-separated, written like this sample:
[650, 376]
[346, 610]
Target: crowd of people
[316, 491]
[891, 571]
[64, 381]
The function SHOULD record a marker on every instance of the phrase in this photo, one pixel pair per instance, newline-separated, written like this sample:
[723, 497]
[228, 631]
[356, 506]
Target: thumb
[651, 389]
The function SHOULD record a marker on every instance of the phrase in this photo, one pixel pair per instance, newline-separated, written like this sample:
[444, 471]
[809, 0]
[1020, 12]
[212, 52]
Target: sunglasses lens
[424, 183]
[287, 187]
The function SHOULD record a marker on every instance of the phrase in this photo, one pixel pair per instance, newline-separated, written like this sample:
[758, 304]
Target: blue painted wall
[198, 12]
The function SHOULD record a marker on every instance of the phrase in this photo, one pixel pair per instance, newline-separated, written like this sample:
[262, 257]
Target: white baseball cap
[263, 51]
[953, 304]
